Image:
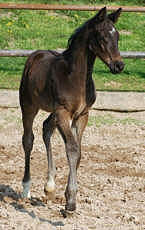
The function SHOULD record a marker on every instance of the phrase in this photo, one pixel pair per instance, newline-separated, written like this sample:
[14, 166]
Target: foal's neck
[76, 57]
[90, 64]
[80, 60]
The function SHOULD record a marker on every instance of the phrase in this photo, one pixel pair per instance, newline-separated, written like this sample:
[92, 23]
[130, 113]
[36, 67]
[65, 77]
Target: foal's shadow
[8, 195]
[7, 192]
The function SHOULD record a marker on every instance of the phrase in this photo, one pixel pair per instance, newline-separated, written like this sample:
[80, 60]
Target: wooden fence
[25, 53]
[67, 7]
[22, 53]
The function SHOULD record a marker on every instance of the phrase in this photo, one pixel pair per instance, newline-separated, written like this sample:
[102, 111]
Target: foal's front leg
[73, 156]
[78, 127]
[49, 126]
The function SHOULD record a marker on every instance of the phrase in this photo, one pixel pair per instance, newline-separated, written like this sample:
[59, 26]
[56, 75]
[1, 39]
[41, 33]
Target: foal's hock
[62, 85]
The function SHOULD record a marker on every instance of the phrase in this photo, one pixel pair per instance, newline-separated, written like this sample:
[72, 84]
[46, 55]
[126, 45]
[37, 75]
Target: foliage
[108, 120]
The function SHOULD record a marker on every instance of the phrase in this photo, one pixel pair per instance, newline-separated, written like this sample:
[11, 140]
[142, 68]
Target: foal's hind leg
[27, 141]
[49, 126]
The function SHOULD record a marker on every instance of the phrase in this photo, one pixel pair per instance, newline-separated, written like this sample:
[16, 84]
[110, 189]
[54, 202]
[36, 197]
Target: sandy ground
[111, 176]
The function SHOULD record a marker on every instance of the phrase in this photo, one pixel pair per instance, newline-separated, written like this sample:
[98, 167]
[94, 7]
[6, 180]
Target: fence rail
[68, 7]
[25, 53]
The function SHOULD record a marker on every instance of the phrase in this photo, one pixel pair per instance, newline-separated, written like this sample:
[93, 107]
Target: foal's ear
[115, 15]
[101, 15]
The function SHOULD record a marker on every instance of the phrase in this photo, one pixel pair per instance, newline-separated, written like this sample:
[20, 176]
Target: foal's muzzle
[116, 67]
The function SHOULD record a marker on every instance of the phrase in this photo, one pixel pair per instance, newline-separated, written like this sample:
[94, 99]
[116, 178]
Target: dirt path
[111, 175]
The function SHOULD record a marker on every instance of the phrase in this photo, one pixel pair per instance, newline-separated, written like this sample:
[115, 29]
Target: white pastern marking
[50, 185]
[26, 189]
[112, 31]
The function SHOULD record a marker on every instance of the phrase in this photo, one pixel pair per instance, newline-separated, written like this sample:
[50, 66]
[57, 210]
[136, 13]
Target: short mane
[78, 35]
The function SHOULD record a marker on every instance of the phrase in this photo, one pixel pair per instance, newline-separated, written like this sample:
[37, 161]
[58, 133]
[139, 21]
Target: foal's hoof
[70, 207]
[49, 192]
[25, 195]
[65, 213]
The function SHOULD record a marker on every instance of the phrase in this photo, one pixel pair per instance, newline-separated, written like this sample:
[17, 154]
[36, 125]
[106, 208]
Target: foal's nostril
[120, 65]
[116, 67]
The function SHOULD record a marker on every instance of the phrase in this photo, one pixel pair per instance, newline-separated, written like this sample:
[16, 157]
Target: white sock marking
[26, 189]
[50, 185]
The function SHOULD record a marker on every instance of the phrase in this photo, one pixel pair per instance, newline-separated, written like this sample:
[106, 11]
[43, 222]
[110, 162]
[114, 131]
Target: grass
[109, 120]
[21, 29]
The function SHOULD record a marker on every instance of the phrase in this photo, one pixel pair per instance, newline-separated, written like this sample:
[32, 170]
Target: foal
[62, 84]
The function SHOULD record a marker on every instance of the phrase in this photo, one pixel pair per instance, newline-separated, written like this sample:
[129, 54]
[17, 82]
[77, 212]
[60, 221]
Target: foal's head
[103, 39]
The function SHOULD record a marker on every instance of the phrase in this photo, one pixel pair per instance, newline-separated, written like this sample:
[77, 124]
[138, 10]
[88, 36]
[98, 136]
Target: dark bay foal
[62, 84]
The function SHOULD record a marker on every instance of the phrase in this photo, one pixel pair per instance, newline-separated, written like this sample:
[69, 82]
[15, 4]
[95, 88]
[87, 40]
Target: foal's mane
[75, 41]
[78, 35]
